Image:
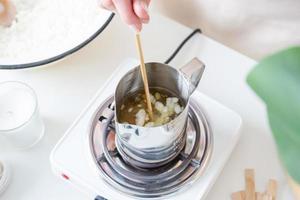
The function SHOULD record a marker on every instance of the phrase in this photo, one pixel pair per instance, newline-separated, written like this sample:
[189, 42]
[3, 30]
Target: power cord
[182, 44]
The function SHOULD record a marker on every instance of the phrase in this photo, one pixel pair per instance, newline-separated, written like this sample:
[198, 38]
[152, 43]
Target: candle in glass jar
[19, 117]
[16, 107]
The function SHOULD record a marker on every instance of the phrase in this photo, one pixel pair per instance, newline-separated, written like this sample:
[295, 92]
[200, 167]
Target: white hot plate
[71, 158]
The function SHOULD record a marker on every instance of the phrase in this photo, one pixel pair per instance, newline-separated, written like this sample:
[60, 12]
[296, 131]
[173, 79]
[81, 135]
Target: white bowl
[92, 30]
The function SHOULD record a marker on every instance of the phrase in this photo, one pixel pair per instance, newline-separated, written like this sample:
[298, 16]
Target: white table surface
[64, 89]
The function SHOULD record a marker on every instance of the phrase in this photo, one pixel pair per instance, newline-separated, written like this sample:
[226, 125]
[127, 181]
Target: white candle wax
[19, 118]
[16, 108]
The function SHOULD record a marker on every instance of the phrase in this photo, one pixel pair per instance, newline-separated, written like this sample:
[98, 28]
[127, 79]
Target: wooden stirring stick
[250, 194]
[241, 195]
[272, 189]
[250, 184]
[144, 73]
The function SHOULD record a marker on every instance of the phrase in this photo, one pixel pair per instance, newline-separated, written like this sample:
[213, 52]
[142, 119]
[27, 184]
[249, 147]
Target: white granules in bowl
[47, 28]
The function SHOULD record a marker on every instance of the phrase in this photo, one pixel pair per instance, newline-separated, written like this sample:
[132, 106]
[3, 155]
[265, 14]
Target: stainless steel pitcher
[150, 147]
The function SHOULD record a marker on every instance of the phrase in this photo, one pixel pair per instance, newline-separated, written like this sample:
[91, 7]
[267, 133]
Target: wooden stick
[250, 184]
[259, 196]
[267, 197]
[238, 195]
[144, 73]
[272, 188]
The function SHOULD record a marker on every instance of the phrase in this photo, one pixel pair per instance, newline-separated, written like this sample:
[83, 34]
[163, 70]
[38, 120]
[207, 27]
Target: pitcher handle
[193, 71]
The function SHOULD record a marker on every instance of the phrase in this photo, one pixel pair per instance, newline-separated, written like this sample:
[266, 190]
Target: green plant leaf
[276, 79]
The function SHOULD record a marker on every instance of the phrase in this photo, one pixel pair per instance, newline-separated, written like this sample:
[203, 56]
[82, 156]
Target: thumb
[140, 8]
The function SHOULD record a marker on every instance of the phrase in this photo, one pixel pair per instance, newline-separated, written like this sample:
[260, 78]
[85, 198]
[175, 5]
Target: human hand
[132, 12]
[7, 12]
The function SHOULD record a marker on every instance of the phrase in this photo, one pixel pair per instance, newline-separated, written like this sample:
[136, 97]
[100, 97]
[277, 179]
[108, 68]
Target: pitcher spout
[193, 71]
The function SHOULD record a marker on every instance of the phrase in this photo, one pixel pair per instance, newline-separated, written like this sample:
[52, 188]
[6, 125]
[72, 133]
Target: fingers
[7, 12]
[140, 8]
[132, 12]
[1, 8]
[107, 4]
[125, 9]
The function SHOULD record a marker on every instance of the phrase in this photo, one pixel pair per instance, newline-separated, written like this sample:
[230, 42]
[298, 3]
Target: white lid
[4, 176]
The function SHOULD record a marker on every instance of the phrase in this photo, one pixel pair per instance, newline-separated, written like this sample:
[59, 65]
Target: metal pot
[150, 147]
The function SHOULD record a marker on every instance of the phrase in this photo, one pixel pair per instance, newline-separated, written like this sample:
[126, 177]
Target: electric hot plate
[87, 157]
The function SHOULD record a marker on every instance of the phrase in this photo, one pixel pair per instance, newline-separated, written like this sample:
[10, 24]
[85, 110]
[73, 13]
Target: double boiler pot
[150, 147]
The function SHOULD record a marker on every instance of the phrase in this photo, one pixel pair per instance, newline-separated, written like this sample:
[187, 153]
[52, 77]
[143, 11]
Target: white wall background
[253, 27]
